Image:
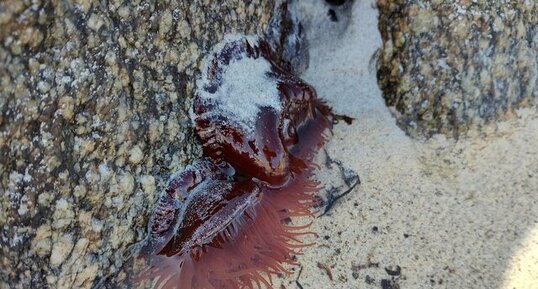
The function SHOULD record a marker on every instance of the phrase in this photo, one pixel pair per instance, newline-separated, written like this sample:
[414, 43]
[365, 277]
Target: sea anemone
[231, 235]
[226, 221]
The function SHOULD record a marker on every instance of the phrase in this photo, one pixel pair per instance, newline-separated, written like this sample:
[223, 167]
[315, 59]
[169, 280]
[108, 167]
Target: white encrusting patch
[245, 86]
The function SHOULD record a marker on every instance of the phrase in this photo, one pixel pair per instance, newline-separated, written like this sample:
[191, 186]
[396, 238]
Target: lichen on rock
[456, 66]
[94, 104]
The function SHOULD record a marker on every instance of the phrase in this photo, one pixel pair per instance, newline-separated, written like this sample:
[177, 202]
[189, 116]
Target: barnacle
[224, 222]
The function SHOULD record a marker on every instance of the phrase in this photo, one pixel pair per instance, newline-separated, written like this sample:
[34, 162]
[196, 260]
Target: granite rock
[455, 67]
[94, 101]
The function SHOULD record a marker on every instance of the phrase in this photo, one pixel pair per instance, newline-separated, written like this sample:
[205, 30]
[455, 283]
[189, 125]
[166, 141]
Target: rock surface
[451, 66]
[94, 101]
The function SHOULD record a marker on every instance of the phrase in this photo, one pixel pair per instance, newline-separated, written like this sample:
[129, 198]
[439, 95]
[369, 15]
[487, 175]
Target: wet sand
[435, 213]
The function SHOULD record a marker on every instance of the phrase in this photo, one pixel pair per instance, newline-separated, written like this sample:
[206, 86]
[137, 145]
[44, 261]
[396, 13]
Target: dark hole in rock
[336, 2]
[332, 15]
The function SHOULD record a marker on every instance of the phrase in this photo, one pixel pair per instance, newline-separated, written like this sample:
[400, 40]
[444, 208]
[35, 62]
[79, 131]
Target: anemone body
[226, 221]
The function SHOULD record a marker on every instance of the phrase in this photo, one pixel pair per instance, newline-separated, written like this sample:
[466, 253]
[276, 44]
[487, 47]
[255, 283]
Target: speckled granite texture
[454, 66]
[94, 98]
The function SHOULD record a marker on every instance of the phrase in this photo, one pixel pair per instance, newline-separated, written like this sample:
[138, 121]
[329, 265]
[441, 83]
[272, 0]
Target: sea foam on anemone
[225, 221]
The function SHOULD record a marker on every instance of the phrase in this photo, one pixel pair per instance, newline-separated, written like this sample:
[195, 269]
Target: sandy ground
[428, 214]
